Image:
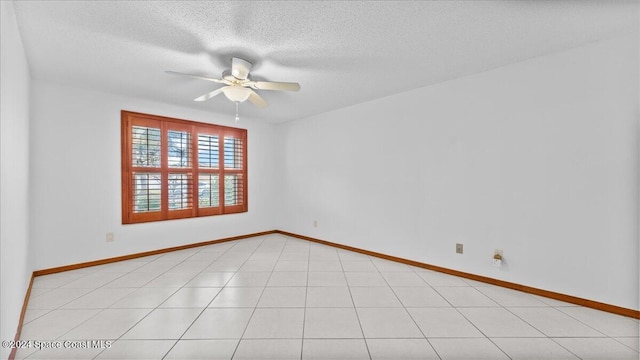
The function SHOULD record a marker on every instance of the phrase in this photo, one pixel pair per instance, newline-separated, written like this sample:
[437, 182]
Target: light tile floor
[275, 297]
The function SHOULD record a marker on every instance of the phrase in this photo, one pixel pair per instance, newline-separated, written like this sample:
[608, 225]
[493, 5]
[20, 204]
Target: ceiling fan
[238, 86]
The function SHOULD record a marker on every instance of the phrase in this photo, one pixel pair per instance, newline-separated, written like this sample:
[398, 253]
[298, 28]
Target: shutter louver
[208, 151]
[146, 192]
[180, 194]
[146, 146]
[233, 189]
[208, 190]
[179, 149]
[232, 153]
[233, 169]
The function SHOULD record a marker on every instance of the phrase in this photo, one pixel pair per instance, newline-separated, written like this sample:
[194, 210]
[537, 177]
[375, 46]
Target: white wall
[539, 159]
[76, 192]
[15, 267]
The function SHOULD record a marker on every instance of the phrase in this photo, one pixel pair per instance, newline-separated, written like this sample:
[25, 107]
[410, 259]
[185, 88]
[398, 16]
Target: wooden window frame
[165, 124]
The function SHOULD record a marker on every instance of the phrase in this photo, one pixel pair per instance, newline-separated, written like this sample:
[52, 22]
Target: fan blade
[209, 95]
[269, 85]
[257, 100]
[240, 68]
[220, 81]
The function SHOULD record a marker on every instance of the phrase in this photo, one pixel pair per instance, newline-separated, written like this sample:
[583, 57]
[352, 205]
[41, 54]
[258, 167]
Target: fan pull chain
[237, 117]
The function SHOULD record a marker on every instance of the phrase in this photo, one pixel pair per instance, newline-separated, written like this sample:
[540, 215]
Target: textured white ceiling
[342, 53]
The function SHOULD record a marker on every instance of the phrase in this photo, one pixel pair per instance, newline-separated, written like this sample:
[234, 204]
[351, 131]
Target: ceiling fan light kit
[239, 87]
[236, 93]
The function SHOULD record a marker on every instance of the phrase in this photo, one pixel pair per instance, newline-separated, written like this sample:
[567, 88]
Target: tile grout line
[511, 312]
[485, 335]
[163, 301]
[261, 294]
[523, 320]
[542, 332]
[287, 240]
[158, 306]
[306, 297]
[407, 310]
[355, 309]
[602, 332]
[74, 299]
[528, 323]
[461, 314]
[206, 306]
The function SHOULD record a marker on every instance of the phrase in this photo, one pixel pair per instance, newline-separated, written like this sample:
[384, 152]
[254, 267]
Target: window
[173, 169]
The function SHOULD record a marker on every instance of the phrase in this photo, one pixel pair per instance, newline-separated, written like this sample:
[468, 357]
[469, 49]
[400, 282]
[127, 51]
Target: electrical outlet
[110, 237]
[459, 248]
[498, 260]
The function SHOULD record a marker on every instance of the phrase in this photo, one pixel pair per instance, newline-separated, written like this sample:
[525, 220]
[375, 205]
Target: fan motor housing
[227, 75]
